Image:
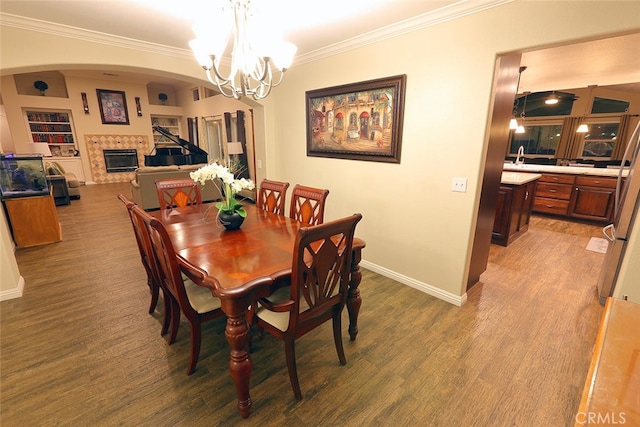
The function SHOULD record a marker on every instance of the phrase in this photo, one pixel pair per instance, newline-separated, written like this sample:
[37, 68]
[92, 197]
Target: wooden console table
[34, 220]
[611, 393]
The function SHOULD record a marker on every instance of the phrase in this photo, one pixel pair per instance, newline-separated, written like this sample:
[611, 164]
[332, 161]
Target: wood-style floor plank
[79, 348]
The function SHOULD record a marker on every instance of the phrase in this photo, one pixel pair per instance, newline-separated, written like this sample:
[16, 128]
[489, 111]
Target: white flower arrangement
[231, 186]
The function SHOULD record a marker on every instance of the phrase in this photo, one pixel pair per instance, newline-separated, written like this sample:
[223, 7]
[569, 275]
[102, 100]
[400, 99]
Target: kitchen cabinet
[574, 192]
[515, 203]
[593, 198]
[553, 194]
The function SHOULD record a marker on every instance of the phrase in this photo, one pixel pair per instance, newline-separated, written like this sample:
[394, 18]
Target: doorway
[541, 64]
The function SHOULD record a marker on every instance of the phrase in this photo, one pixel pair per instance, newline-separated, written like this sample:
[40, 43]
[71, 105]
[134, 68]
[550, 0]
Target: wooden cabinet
[593, 198]
[33, 220]
[577, 196]
[73, 165]
[513, 212]
[553, 194]
[54, 128]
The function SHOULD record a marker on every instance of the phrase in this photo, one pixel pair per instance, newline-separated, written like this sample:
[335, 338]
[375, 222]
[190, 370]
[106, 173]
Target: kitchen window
[538, 140]
[600, 140]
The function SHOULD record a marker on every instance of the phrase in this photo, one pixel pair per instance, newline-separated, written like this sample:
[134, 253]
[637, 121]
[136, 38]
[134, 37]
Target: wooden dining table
[237, 266]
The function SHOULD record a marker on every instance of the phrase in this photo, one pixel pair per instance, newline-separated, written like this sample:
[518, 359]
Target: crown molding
[444, 14]
[91, 36]
[438, 16]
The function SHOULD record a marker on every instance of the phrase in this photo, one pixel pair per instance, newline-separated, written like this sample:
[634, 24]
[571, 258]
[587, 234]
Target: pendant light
[584, 128]
[552, 99]
[520, 128]
[513, 123]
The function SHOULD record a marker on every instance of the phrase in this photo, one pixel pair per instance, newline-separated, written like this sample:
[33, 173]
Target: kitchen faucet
[520, 156]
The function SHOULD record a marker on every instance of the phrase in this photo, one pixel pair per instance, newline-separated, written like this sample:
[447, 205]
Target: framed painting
[113, 107]
[359, 121]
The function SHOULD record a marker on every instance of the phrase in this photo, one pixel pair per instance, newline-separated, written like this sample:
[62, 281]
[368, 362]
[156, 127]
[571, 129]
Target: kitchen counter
[573, 170]
[518, 178]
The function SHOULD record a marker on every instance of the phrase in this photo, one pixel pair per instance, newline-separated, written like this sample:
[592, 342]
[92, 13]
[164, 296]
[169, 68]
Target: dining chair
[178, 192]
[307, 204]
[318, 279]
[148, 261]
[272, 196]
[196, 302]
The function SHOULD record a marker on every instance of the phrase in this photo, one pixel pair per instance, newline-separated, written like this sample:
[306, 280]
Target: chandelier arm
[220, 85]
[260, 94]
[219, 78]
[281, 77]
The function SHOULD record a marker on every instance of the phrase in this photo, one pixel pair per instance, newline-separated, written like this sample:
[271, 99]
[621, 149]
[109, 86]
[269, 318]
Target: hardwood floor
[79, 347]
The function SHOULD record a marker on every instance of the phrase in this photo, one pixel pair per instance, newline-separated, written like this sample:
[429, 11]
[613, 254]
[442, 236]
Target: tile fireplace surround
[96, 144]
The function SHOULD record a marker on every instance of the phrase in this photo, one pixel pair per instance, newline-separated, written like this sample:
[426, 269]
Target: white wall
[11, 283]
[6, 141]
[416, 229]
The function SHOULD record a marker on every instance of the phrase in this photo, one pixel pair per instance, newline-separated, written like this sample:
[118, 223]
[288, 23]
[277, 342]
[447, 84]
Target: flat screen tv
[22, 175]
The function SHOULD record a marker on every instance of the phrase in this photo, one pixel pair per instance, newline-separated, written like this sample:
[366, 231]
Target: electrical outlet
[459, 185]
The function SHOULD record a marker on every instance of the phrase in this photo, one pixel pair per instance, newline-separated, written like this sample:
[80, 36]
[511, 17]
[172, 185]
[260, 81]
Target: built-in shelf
[170, 123]
[54, 128]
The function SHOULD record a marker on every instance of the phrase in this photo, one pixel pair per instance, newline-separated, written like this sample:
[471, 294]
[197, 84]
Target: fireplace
[121, 160]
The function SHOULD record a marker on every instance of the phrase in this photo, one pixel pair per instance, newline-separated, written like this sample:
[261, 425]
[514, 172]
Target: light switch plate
[459, 185]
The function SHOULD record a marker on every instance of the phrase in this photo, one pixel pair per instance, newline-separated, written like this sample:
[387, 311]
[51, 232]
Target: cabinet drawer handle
[553, 191]
[554, 178]
[597, 182]
[549, 206]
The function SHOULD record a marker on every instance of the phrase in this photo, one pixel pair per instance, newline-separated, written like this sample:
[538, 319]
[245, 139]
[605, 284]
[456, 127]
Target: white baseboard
[13, 293]
[458, 300]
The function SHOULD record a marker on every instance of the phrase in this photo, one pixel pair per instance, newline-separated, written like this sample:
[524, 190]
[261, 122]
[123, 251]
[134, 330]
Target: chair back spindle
[272, 196]
[307, 204]
[178, 192]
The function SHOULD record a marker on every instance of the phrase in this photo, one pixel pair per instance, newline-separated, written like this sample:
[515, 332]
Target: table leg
[354, 301]
[240, 364]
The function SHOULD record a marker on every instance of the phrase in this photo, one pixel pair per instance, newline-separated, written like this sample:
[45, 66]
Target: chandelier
[257, 65]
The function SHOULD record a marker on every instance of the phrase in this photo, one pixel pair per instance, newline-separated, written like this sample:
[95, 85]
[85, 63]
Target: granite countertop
[573, 170]
[518, 178]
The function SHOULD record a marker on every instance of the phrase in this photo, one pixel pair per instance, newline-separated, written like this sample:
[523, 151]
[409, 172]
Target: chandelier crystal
[257, 65]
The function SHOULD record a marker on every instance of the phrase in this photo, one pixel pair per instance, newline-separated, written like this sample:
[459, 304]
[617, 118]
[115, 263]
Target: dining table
[237, 266]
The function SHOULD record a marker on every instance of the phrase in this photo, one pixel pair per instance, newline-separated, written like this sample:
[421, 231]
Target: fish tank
[22, 175]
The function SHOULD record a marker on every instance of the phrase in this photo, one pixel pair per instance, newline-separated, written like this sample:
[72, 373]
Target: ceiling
[318, 31]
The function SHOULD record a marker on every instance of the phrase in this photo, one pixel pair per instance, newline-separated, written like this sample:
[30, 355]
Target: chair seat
[279, 320]
[200, 297]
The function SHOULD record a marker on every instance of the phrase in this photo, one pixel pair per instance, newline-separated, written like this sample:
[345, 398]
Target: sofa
[143, 187]
[55, 170]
